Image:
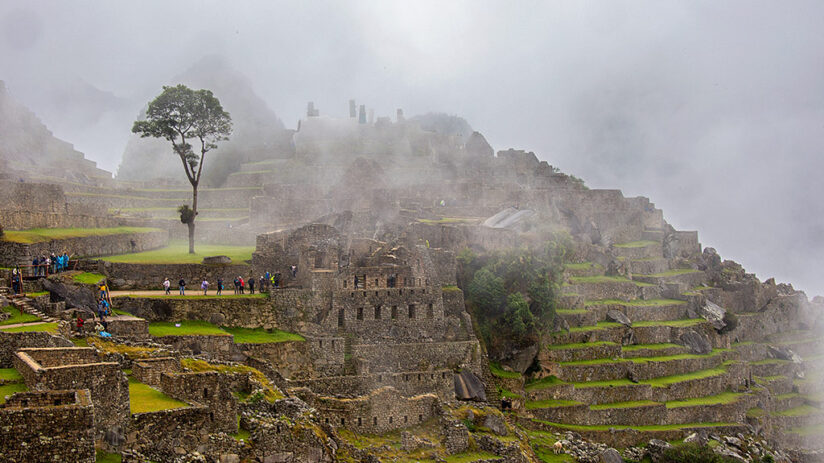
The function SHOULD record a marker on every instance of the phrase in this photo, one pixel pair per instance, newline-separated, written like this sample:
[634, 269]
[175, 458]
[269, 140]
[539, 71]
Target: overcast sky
[714, 110]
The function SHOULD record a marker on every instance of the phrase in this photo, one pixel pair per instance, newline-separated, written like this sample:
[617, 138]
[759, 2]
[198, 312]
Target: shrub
[731, 321]
[693, 453]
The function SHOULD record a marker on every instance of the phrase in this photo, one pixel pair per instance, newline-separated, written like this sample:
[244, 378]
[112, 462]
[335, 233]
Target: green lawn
[580, 345]
[261, 336]
[599, 326]
[39, 235]
[187, 327]
[88, 278]
[636, 244]
[662, 346]
[10, 375]
[105, 457]
[17, 316]
[550, 403]
[629, 404]
[501, 373]
[178, 253]
[636, 302]
[9, 389]
[662, 381]
[543, 383]
[666, 427]
[40, 327]
[719, 399]
[143, 398]
[672, 323]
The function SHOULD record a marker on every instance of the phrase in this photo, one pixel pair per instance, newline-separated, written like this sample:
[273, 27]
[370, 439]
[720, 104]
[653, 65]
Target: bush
[731, 321]
[693, 453]
[187, 214]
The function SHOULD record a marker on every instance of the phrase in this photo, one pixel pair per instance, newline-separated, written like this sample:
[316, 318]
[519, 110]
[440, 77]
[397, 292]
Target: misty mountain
[258, 133]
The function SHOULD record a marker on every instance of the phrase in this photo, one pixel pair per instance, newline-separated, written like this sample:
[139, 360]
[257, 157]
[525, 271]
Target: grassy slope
[143, 398]
[88, 278]
[261, 336]
[38, 235]
[188, 327]
[44, 327]
[178, 253]
[10, 375]
[17, 316]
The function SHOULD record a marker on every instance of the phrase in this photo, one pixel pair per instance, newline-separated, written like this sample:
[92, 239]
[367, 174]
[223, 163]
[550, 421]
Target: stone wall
[164, 435]
[300, 359]
[211, 389]
[148, 371]
[48, 426]
[418, 356]
[381, 411]
[242, 312]
[216, 346]
[409, 383]
[18, 253]
[12, 342]
[107, 384]
[40, 205]
[150, 276]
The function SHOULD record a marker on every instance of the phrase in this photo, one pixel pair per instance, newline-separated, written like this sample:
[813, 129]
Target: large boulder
[217, 260]
[495, 423]
[610, 455]
[618, 317]
[469, 387]
[783, 353]
[714, 314]
[519, 359]
[696, 342]
[75, 296]
[656, 449]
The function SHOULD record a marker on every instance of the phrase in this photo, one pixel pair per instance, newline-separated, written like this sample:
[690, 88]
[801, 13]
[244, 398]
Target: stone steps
[24, 305]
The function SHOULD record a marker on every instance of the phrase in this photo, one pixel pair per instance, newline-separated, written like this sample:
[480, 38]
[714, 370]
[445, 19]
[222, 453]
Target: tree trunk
[191, 223]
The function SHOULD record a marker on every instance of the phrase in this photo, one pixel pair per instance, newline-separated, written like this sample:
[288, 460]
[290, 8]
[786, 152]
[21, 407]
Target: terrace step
[777, 385]
[649, 265]
[639, 310]
[579, 351]
[638, 249]
[638, 369]
[603, 287]
[775, 367]
[652, 350]
[688, 277]
[652, 235]
[804, 415]
[584, 269]
[787, 401]
[727, 406]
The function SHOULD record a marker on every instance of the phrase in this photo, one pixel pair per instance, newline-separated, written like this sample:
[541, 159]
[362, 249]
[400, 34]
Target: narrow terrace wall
[12, 342]
[161, 435]
[150, 276]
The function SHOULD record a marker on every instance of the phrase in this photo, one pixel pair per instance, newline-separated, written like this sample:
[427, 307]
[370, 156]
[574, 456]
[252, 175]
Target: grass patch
[133, 352]
[40, 235]
[770, 362]
[509, 394]
[665, 381]
[105, 457]
[9, 389]
[605, 383]
[812, 430]
[261, 336]
[672, 323]
[802, 410]
[582, 266]
[188, 327]
[661, 346]
[607, 427]
[636, 244]
[270, 393]
[144, 399]
[550, 403]
[468, 457]
[599, 279]
[448, 288]
[636, 302]
[80, 342]
[571, 311]
[543, 383]
[672, 273]
[542, 443]
[177, 252]
[580, 345]
[496, 370]
[628, 404]
[88, 278]
[756, 412]
[597, 327]
[10, 375]
[718, 399]
[39, 327]
[450, 220]
[17, 316]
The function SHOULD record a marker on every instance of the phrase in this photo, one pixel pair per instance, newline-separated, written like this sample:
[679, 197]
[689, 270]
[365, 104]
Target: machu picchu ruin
[364, 287]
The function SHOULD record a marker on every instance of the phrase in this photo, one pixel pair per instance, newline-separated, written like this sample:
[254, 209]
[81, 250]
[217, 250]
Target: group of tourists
[53, 263]
[264, 284]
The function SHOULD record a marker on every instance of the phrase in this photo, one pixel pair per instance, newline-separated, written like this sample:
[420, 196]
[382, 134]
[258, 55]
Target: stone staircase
[25, 305]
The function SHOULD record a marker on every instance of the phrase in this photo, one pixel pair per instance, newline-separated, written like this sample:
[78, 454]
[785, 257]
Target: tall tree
[182, 115]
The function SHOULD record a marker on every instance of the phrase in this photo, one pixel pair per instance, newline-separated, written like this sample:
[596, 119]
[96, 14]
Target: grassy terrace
[672, 323]
[580, 345]
[672, 273]
[636, 244]
[599, 279]
[812, 430]
[719, 399]
[178, 253]
[450, 220]
[636, 302]
[629, 404]
[662, 381]
[550, 403]
[261, 336]
[88, 278]
[39, 235]
[636, 347]
[802, 410]
[271, 394]
[189, 191]
[571, 311]
[582, 266]
[17, 317]
[598, 327]
[39, 327]
[666, 427]
[543, 383]
[496, 370]
[143, 198]
[10, 375]
[144, 399]
[188, 327]
[665, 358]
[9, 389]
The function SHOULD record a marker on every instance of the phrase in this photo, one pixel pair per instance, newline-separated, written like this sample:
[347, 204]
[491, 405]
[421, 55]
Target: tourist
[294, 270]
[15, 281]
[34, 266]
[79, 325]
[276, 280]
[46, 265]
[251, 285]
[43, 265]
[219, 286]
[237, 286]
[242, 284]
[167, 285]
[204, 286]
[262, 282]
[53, 262]
[182, 285]
[101, 307]
[104, 290]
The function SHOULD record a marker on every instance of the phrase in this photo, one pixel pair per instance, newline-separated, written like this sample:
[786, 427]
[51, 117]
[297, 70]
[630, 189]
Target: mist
[713, 110]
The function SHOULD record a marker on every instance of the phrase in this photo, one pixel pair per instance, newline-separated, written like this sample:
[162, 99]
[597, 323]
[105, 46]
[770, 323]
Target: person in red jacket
[242, 283]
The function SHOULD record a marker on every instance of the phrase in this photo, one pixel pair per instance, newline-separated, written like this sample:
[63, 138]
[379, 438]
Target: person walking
[251, 285]
[167, 285]
[15, 281]
[276, 280]
[182, 285]
[35, 266]
[242, 283]
[219, 286]
[262, 285]
[237, 286]
[204, 286]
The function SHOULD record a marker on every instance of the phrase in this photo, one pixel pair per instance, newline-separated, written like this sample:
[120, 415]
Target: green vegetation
[663, 358]
[550, 403]
[543, 383]
[187, 327]
[10, 375]
[599, 279]
[582, 266]
[88, 278]
[468, 457]
[628, 404]
[719, 399]
[571, 311]
[496, 370]
[17, 316]
[607, 427]
[636, 302]
[637, 347]
[448, 288]
[662, 381]
[509, 394]
[270, 393]
[109, 347]
[694, 453]
[672, 273]
[80, 342]
[673, 323]
[812, 430]
[144, 399]
[636, 244]
[261, 336]
[37, 294]
[597, 327]
[802, 410]
[178, 253]
[756, 412]
[39, 235]
[35, 327]
[580, 345]
[542, 443]
[9, 389]
[105, 457]
[450, 220]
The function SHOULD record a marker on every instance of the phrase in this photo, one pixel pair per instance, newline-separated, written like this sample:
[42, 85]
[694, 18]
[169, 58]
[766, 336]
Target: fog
[714, 110]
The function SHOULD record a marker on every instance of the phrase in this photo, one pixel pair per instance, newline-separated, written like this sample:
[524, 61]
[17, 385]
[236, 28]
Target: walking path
[175, 293]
